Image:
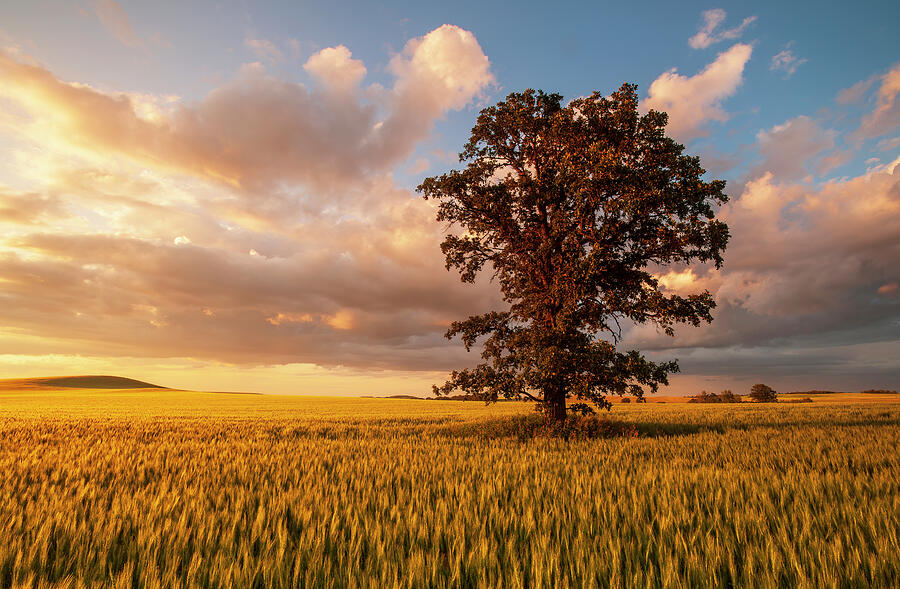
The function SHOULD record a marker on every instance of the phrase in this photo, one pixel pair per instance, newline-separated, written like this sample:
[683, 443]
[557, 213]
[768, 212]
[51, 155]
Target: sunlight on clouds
[260, 227]
[693, 101]
[681, 282]
[812, 248]
[888, 289]
[792, 148]
[786, 61]
[344, 319]
[447, 63]
[334, 67]
[709, 33]
[282, 239]
[886, 116]
[290, 318]
[287, 133]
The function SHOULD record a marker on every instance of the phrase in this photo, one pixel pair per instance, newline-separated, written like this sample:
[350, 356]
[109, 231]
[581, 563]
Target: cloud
[789, 148]
[258, 225]
[785, 61]
[856, 92]
[807, 266]
[888, 289]
[693, 101]
[112, 16]
[886, 116]
[363, 286]
[265, 50]
[707, 35]
[807, 251]
[419, 166]
[334, 68]
[27, 208]
[888, 144]
[441, 71]
[258, 132]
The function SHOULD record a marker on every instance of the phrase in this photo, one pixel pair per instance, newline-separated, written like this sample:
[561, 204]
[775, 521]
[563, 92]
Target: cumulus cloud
[258, 225]
[334, 68]
[813, 250]
[788, 149]
[113, 17]
[885, 118]
[708, 33]
[441, 71]
[257, 131]
[693, 101]
[806, 265]
[785, 61]
[362, 287]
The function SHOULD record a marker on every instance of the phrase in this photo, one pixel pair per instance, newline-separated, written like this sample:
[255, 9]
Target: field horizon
[99, 383]
[158, 487]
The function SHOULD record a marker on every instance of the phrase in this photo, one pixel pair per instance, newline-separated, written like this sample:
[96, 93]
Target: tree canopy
[763, 393]
[574, 209]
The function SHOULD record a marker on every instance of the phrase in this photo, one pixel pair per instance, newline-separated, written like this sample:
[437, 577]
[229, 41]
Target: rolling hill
[76, 382]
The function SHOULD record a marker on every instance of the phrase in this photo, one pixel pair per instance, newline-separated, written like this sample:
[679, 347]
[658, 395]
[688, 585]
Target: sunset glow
[233, 206]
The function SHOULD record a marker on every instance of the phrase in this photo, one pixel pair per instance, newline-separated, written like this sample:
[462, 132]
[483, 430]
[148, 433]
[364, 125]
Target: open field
[154, 487]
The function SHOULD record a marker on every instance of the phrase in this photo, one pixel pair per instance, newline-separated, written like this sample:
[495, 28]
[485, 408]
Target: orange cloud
[798, 250]
[335, 69]
[258, 132]
[710, 34]
[886, 115]
[888, 289]
[789, 148]
[139, 236]
[693, 101]
[804, 263]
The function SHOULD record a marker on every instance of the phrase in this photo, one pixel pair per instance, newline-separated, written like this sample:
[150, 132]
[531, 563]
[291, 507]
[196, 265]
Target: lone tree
[763, 394]
[573, 208]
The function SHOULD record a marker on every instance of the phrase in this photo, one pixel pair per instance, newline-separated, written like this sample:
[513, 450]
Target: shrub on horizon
[763, 394]
[725, 396]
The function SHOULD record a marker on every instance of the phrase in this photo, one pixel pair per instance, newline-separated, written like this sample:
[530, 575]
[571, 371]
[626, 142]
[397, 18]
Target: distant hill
[77, 382]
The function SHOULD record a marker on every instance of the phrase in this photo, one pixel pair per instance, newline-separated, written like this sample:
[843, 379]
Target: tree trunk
[555, 406]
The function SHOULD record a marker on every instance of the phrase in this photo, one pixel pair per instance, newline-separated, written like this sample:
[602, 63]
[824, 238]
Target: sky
[221, 195]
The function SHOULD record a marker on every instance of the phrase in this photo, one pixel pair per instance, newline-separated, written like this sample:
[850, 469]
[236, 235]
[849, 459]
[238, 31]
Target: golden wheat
[167, 489]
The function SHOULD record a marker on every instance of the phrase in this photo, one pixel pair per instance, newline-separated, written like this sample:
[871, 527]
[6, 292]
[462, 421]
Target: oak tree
[574, 210]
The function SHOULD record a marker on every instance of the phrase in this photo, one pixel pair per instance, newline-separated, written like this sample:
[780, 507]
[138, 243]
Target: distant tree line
[759, 393]
[725, 396]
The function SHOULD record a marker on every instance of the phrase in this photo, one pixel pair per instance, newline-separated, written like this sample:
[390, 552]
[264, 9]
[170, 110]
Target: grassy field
[161, 488]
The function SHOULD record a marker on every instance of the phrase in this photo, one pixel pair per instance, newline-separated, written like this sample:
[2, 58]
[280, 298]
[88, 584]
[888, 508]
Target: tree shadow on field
[573, 428]
[591, 427]
[666, 429]
[528, 427]
[747, 423]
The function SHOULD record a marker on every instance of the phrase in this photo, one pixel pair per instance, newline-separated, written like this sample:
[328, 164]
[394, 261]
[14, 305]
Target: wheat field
[158, 488]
